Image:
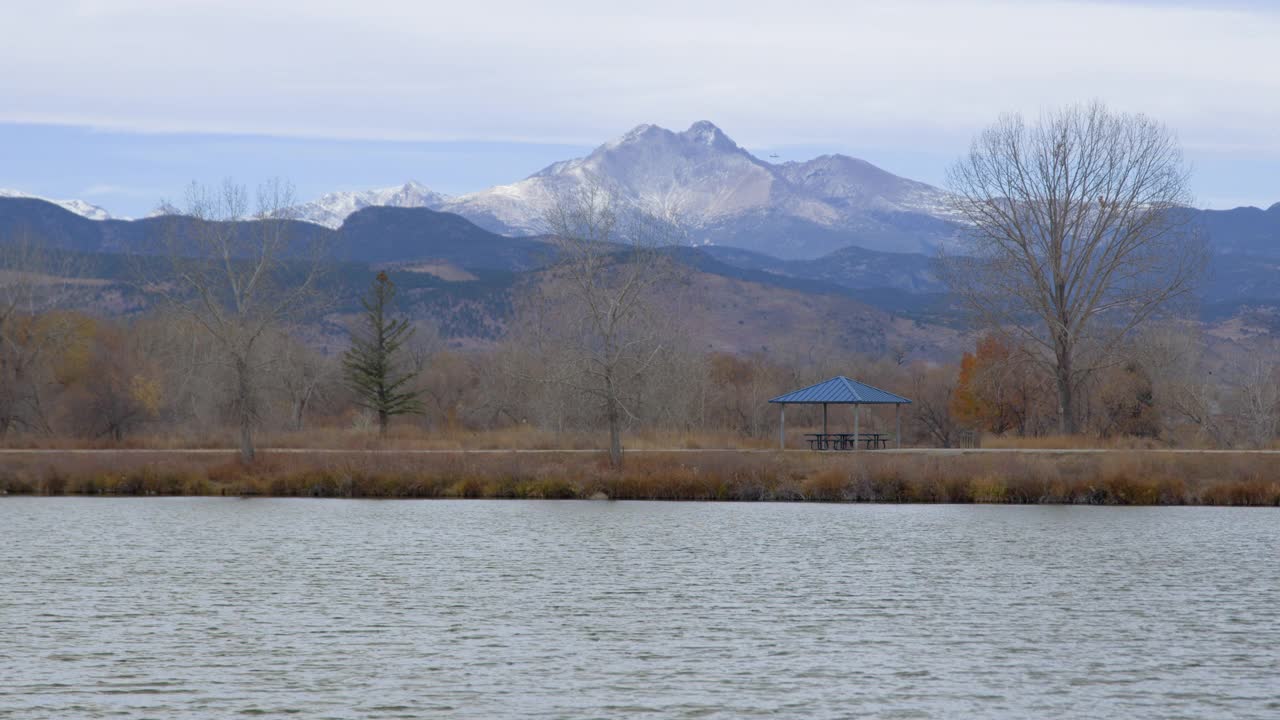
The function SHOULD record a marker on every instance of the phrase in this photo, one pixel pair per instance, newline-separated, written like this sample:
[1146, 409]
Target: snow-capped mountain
[699, 174]
[852, 185]
[79, 207]
[722, 193]
[727, 196]
[331, 209]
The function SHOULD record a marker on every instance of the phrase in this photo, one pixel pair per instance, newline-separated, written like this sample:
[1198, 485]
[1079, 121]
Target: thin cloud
[577, 72]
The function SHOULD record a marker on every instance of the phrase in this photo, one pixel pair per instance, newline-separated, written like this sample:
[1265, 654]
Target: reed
[1113, 478]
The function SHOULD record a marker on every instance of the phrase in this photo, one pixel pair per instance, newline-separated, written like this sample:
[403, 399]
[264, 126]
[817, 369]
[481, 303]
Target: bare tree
[33, 282]
[238, 275]
[1258, 400]
[1183, 381]
[602, 292]
[304, 376]
[1077, 234]
[179, 350]
[120, 385]
[932, 389]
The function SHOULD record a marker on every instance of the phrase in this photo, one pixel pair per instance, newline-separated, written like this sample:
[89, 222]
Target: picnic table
[846, 441]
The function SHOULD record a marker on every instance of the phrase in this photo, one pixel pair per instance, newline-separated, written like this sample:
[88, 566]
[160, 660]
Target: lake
[211, 607]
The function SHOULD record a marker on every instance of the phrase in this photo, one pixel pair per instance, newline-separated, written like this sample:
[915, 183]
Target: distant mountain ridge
[466, 279]
[79, 207]
[1245, 241]
[381, 235]
[850, 267]
[721, 192]
[374, 235]
[1243, 275]
[333, 208]
[1242, 230]
[727, 197]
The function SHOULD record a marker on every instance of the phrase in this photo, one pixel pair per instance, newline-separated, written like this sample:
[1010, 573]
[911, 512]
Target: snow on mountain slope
[852, 185]
[699, 174]
[332, 209]
[723, 193]
[79, 207]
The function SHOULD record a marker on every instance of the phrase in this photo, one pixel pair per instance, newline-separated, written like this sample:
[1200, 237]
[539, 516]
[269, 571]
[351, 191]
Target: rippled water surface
[202, 607]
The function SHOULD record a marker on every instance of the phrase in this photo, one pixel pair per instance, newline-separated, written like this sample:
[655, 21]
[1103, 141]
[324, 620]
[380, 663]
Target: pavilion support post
[897, 421]
[824, 422]
[857, 421]
[782, 428]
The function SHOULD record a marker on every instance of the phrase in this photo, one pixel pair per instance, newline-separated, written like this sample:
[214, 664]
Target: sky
[123, 102]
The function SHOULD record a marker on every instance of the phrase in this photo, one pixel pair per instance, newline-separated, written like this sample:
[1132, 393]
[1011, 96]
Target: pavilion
[841, 390]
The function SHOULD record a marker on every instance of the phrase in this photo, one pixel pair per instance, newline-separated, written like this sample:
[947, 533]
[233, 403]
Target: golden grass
[1117, 478]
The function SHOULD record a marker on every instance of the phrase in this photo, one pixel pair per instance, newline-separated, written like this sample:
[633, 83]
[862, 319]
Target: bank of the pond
[1107, 478]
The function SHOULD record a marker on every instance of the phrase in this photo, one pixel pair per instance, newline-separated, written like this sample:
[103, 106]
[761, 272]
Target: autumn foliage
[994, 388]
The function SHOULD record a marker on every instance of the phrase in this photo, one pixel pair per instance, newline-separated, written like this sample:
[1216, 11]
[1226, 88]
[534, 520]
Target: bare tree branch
[1077, 235]
[238, 277]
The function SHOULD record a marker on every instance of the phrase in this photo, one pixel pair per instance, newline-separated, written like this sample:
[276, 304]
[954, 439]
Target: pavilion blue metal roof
[841, 390]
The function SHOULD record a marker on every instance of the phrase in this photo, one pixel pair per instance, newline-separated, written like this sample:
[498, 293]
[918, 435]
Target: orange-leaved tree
[992, 393]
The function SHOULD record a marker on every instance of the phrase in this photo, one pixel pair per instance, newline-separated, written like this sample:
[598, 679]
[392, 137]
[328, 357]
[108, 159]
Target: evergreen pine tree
[370, 363]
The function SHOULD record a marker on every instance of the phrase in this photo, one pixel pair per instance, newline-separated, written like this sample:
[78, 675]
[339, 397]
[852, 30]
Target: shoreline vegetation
[697, 471]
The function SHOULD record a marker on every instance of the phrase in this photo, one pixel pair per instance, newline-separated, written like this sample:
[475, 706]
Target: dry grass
[1111, 479]
[1069, 442]
[404, 438]
[524, 437]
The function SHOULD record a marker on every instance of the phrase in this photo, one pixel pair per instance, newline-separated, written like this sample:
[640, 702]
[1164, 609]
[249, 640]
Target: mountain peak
[413, 192]
[728, 194]
[702, 132]
[705, 132]
[333, 208]
[637, 133]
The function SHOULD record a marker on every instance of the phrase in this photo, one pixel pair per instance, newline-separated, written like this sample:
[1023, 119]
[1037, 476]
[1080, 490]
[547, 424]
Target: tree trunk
[382, 423]
[613, 414]
[615, 435]
[1066, 394]
[246, 439]
[244, 401]
[614, 417]
[300, 409]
